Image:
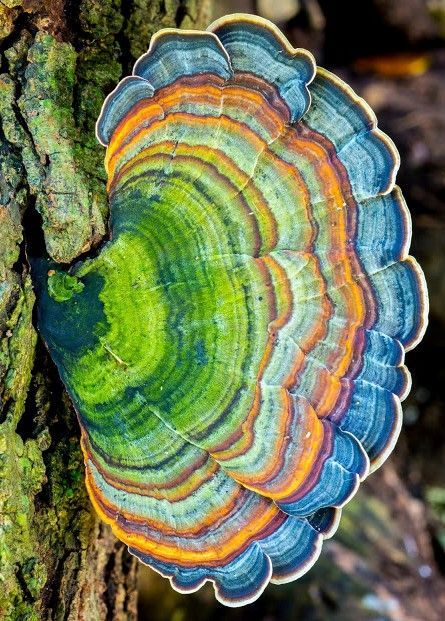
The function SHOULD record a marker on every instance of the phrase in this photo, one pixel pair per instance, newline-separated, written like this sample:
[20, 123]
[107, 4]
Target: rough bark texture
[59, 58]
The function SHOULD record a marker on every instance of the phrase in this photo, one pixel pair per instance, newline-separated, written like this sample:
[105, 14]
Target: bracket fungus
[235, 351]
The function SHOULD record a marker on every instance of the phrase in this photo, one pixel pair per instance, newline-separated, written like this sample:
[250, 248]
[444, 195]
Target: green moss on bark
[22, 470]
[47, 107]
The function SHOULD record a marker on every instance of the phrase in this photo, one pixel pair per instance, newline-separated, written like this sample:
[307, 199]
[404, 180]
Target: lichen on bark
[46, 104]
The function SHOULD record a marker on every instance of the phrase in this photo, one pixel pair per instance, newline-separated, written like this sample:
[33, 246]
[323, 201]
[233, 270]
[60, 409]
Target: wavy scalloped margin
[256, 20]
[297, 54]
[268, 578]
[404, 256]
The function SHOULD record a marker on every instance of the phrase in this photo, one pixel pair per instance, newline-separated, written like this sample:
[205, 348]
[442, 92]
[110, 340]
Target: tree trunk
[59, 58]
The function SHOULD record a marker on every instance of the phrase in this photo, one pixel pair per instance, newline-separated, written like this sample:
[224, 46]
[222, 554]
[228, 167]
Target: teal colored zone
[258, 50]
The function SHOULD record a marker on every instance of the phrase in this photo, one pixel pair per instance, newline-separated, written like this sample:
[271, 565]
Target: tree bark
[59, 59]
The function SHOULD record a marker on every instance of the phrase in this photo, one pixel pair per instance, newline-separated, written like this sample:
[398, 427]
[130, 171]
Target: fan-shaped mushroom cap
[235, 352]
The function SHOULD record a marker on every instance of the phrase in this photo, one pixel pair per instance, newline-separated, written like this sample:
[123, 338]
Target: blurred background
[387, 561]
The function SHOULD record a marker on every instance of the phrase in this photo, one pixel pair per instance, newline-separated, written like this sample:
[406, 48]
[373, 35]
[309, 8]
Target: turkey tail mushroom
[235, 351]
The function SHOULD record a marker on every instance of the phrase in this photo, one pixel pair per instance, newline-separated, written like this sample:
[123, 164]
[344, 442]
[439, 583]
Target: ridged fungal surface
[235, 351]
